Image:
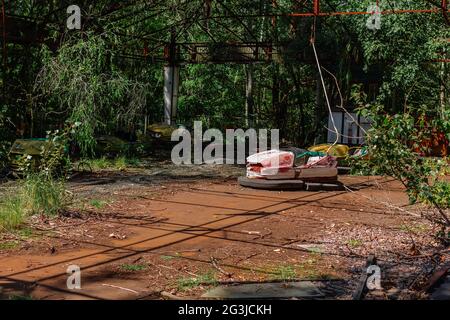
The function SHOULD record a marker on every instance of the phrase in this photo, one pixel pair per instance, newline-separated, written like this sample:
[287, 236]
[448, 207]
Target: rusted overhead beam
[316, 7]
[4, 34]
[443, 7]
[445, 11]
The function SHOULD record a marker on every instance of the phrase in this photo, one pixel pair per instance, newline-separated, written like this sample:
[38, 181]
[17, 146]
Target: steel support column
[171, 85]
[316, 7]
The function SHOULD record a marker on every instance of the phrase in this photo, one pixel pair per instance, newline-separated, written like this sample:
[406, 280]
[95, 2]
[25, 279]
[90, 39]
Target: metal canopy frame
[164, 48]
[317, 12]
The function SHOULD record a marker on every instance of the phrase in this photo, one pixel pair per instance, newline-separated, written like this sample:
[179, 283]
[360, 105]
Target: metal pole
[352, 13]
[171, 81]
[445, 11]
[4, 34]
[316, 7]
[171, 85]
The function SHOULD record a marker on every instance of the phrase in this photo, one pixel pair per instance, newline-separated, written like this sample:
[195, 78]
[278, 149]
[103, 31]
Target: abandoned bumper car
[293, 169]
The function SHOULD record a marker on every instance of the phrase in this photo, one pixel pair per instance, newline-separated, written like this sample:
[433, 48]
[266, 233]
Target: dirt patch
[137, 233]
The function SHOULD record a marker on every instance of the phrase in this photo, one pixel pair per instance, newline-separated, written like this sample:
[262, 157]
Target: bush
[40, 192]
[396, 149]
[121, 163]
[53, 158]
[441, 193]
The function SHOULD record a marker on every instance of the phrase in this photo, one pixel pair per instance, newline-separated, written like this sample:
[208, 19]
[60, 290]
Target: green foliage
[401, 50]
[284, 273]
[8, 245]
[208, 278]
[4, 148]
[354, 243]
[440, 192]
[99, 164]
[4, 144]
[96, 76]
[39, 193]
[167, 258]
[414, 228]
[119, 163]
[53, 158]
[133, 267]
[44, 195]
[20, 297]
[12, 213]
[99, 204]
[86, 84]
[132, 162]
[209, 94]
[396, 148]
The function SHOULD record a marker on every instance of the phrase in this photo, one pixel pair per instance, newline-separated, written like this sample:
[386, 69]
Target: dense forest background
[109, 75]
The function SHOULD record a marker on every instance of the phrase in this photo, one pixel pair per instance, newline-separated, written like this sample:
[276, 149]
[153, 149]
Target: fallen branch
[362, 285]
[170, 268]
[437, 277]
[248, 257]
[214, 263]
[121, 288]
[170, 296]
[385, 204]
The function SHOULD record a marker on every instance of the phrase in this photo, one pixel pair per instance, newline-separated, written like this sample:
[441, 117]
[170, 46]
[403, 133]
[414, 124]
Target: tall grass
[44, 195]
[12, 213]
[119, 163]
[99, 164]
[208, 278]
[37, 194]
